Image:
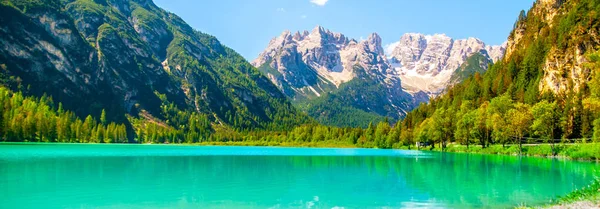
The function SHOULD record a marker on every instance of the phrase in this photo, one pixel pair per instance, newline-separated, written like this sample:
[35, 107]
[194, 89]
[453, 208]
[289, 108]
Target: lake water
[159, 176]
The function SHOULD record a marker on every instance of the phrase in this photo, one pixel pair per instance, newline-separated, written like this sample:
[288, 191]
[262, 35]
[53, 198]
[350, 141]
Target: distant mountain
[308, 64]
[132, 58]
[425, 63]
[330, 75]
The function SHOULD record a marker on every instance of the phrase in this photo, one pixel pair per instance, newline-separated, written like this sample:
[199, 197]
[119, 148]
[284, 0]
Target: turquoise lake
[168, 176]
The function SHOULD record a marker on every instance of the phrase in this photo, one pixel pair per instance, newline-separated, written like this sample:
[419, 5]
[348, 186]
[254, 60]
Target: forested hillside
[355, 103]
[141, 66]
[546, 87]
[127, 71]
[33, 119]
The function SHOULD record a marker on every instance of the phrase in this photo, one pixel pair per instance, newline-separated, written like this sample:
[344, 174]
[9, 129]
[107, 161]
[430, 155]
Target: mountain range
[425, 63]
[331, 76]
[137, 73]
[133, 59]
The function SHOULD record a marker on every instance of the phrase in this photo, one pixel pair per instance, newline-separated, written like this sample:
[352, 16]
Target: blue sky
[247, 26]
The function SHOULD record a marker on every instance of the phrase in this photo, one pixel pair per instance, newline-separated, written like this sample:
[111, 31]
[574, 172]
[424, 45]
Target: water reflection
[435, 180]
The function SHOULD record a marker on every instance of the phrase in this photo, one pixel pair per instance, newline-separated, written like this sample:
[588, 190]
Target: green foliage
[37, 120]
[596, 136]
[32, 5]
[506, 101]
[590, 151]
[520, 120]
[207, 93]
[589, 192]
[546, 120]
[473, 65]
[329, 110]
[355, 103]
[125, 44]
[594, 83]
[466, 128]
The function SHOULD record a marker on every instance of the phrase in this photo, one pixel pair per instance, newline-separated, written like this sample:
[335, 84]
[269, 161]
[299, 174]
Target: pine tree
[87, 129]
[103, 118]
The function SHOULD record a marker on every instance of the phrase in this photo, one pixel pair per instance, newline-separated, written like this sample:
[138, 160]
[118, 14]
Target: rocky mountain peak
[318, 29]
[298, 36]
[331, 56]
[306, 64]
[496, 52]
[426, 62]
[374, 44]
[413, 45]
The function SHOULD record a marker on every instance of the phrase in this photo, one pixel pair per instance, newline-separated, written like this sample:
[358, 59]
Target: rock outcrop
[307, 65]
[425, 63]
[127, 57]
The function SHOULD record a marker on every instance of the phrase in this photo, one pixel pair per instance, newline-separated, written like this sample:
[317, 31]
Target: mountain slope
[329, 75]
[427, 62]
[545, 87]
[476, 63]
[311, 63]
[132, 58]
[357, 103]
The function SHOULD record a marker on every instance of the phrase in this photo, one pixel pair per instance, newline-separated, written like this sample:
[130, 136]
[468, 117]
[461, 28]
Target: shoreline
[586, 197]
[581, 198]
[509, 150]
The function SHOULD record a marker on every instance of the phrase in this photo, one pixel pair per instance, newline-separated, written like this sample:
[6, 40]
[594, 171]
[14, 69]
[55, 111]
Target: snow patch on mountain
[425, 63]
[307, 64]
[331, 55]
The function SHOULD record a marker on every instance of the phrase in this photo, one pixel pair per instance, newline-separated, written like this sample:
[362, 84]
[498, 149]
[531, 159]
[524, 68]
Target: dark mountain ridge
[129, 57]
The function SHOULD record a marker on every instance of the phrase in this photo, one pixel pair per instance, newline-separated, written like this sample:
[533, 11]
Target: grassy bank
[320, 144]
[587, 197]
[588, 151]
[589, 193]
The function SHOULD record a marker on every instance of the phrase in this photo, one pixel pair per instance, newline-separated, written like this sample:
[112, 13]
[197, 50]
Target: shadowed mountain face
[131, 57]
[331, 76]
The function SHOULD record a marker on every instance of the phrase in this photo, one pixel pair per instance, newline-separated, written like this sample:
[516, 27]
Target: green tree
[597, 130]
[441, 128]
[497, 118]
[594, 83]
[407, 137]
[520, 121]
[426, 134]
[482, 124]
[393, 137]
[546, 120]
[592, 104]
[103, 118]
[87, 129]
[383, 128]
[466, 127]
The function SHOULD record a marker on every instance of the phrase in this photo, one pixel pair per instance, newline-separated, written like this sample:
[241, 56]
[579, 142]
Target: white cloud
[280, 10]
[319, 2]
[303, 16]
[389, 48]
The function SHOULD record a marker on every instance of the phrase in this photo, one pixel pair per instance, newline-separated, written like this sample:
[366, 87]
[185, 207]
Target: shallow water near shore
[170, 176]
